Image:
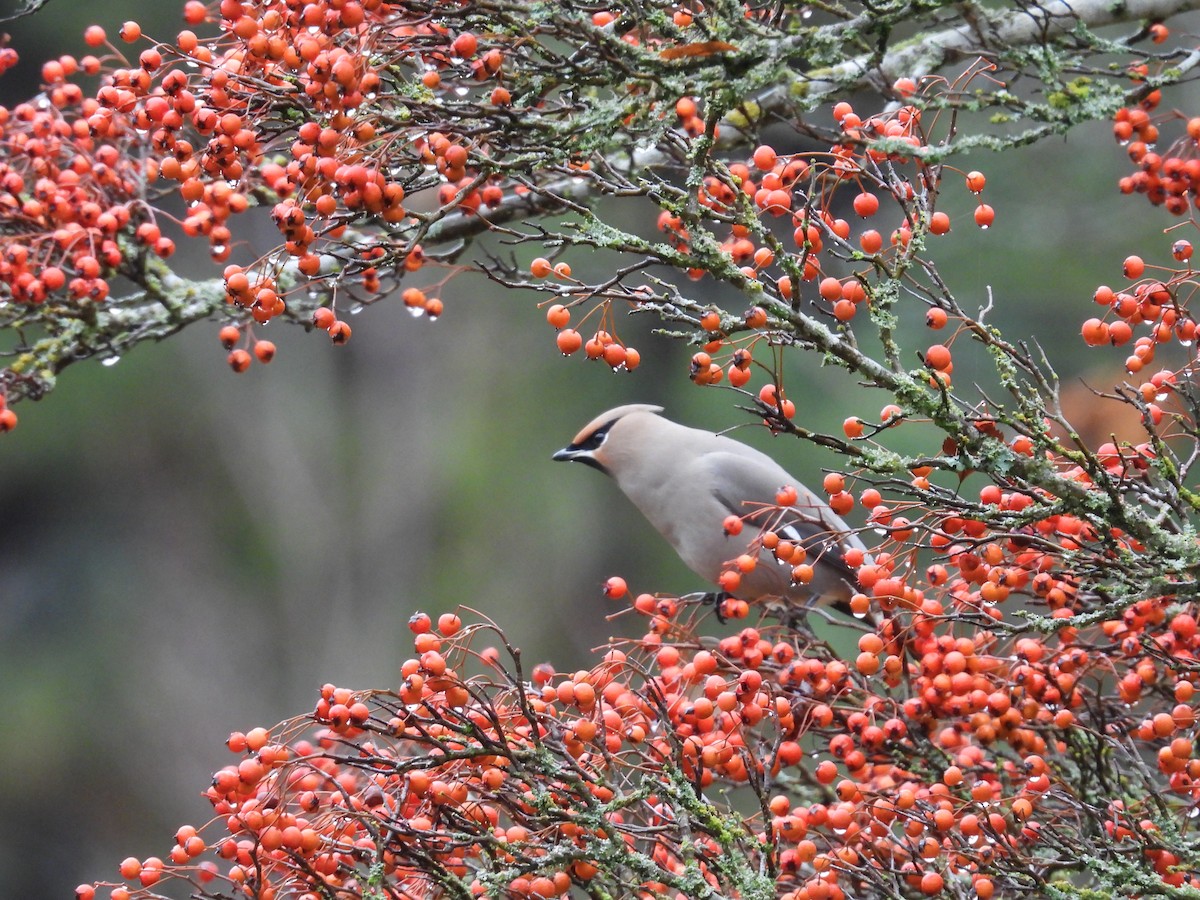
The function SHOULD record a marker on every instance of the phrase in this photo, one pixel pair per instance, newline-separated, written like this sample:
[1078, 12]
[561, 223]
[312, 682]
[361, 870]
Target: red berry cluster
[870, 157]
[1170, 178]
[930, 759]
[65, 199]
[277, 106]
[603, 344]
[1160, 305]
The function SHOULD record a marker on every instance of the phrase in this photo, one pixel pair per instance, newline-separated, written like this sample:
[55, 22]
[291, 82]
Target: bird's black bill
[580, 455]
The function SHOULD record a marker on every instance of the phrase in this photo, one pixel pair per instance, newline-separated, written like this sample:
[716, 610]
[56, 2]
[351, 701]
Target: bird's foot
[717, 600]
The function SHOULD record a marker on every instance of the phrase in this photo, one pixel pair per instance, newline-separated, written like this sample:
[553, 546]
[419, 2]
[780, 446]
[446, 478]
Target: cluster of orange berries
[936, 747]
[300, 815]
[200, 115]
[777, 183]
[602, 345]
[1122, 827]
[299, 811]
[1170, 178]
[239, 359]
[810, 189]
[1158, 304]
[64, 201]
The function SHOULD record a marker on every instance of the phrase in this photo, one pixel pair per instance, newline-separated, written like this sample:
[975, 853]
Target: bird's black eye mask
[581, 451]
[595, 439]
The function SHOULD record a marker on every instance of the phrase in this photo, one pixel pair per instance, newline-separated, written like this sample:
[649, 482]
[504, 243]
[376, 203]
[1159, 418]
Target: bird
[687, 482]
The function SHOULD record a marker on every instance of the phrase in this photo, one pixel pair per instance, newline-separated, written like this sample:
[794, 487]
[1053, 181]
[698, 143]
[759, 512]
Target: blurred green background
[185, 552]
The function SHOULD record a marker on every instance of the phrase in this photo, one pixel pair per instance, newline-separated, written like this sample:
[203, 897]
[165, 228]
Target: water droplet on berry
[415, 311]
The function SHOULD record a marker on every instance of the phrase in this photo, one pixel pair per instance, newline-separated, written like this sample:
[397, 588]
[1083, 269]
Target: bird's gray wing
[746, 486]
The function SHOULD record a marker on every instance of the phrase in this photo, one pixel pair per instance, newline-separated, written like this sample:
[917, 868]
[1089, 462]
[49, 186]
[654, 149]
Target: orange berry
[938, 357]
[465, 45]
[1095, 332]
[756, 317]
[614, 355]
[932, 883]
[844, 310]
[569, 340]
[866, 204]
[764, 158]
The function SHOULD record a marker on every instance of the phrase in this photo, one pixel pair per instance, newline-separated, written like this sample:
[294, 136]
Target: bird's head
[611, 436]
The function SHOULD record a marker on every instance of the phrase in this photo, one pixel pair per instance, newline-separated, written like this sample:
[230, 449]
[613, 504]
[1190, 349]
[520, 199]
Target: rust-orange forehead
[611, 416]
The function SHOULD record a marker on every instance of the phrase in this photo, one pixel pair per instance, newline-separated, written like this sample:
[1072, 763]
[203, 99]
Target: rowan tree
[1019, 713]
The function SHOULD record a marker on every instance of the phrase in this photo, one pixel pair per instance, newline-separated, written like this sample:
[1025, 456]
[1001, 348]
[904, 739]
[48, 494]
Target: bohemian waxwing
[687, 481]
